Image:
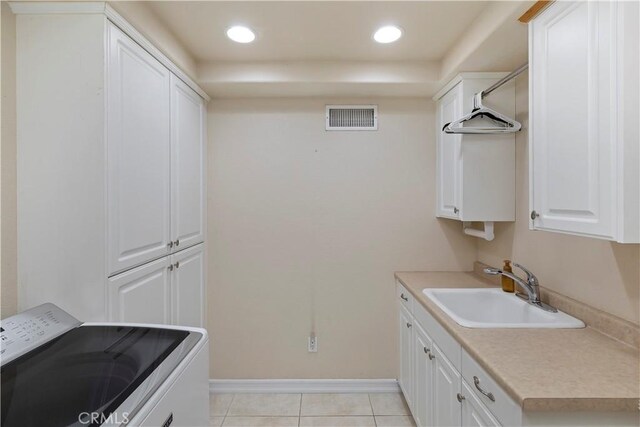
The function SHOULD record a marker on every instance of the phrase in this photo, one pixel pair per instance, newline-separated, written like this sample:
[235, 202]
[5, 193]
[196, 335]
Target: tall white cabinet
[584, 131]
[111, 170]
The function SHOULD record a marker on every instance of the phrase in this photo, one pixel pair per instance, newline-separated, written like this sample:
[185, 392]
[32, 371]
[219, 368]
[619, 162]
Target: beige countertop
[541, 369]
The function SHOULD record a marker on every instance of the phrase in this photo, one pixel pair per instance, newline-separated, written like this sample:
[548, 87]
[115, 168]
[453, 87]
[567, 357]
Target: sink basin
[493, 308]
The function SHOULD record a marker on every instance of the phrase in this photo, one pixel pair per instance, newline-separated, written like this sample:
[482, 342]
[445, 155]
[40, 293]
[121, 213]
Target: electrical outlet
[313, 344]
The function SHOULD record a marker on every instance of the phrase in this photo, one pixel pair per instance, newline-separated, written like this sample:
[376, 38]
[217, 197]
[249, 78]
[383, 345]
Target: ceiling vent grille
[352, 117]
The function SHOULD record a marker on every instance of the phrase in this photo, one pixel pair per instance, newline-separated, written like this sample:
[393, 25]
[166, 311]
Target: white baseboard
[304, 386]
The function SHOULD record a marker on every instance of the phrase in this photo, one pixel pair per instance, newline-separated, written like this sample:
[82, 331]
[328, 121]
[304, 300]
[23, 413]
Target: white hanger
[504, 124]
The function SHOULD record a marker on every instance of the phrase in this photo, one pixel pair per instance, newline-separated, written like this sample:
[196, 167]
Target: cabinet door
[188, 287]
[446, 408]
[423, 377]
[474, 413]
[187, 165]
[141, 295]
[573, 118]
[138, 150]
[406, 356]
[448, 155]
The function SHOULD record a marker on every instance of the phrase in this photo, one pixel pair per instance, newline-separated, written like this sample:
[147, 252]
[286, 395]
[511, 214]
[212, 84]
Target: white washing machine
[58, 371]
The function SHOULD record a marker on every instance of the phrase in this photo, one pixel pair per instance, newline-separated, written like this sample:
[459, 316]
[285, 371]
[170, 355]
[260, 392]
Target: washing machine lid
[90, 373]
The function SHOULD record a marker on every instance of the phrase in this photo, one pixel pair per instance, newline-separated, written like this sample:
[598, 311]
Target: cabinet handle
[178, 264]
[455, 210]
[177, 243]
[476, 382]
[402, 297]
[428, 353]
[534, 215]
[170, 268]
[408, 325]
[460, 397]
[168, 421]
[170, 244]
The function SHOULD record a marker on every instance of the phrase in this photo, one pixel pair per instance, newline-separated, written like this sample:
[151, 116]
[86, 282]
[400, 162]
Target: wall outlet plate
[313, 344]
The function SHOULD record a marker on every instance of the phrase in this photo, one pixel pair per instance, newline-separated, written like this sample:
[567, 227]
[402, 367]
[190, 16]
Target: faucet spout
[533, 297]
[530, 285]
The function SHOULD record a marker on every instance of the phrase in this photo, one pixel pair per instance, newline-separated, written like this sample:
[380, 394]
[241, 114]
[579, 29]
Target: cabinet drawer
[474, 413]
[501, 406]
[404, 297]
[448, 345]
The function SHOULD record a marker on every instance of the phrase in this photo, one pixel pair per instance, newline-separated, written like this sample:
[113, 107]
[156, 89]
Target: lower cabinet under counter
[169, 290]
[444, 386]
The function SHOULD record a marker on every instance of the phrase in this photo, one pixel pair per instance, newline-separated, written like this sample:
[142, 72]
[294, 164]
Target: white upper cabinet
[583, 134]
[187, 166]
[475, 174]
[138, 150]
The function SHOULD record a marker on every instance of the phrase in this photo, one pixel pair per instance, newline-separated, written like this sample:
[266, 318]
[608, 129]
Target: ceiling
[326, 48]
[317, 30]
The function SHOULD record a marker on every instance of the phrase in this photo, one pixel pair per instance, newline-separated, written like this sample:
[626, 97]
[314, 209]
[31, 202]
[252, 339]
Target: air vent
[352, 117]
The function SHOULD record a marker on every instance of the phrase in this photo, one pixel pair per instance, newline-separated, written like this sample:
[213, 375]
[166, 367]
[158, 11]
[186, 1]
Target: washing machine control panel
[25, 331]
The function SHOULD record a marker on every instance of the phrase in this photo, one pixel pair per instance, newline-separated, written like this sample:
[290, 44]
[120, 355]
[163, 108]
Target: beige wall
[306, 228]
[8, 290]
[599, 273]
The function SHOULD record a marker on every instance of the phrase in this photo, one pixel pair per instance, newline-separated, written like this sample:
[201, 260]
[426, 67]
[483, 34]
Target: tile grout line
[375, 422]
[233, 396]
[299, 416]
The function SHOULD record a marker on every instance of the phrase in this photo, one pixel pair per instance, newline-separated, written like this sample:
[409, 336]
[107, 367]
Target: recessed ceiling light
[387, 34]
[241, 34]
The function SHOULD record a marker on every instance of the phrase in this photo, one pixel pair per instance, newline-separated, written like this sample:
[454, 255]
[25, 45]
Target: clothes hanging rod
[504, 80]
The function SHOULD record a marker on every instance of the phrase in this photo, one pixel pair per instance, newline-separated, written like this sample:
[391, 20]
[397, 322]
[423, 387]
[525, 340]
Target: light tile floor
[310, 410]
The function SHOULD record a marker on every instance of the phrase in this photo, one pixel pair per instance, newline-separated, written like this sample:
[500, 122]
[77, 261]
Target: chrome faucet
[530, 285]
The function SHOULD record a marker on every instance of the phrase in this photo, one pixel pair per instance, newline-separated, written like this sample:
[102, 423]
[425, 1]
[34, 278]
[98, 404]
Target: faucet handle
[531, 278]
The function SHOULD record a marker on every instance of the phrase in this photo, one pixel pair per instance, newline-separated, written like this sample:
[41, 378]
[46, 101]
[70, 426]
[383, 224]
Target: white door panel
[573, 112]
[406, 355]
[424, 366]
[446, 408]
[141, 295]
[448, 146]
[187, 165]
[188, 287]
[138, 149]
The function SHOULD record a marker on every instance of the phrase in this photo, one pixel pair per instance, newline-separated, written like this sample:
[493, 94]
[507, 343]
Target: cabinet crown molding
[100, 7]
